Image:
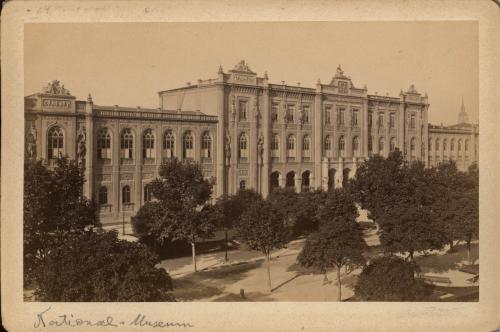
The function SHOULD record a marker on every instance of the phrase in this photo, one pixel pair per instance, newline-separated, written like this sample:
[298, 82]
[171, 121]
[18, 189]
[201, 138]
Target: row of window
[437, 145]
[126, 196]
[56, 144]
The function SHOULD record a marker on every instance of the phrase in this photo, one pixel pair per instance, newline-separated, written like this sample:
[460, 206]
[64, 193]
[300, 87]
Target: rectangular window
[381, 120]
[341, 116]
[290, 110]
[412, 121]
[370, 144]
[370, 119]
[328, 111]
[392, 120]
[242, 107]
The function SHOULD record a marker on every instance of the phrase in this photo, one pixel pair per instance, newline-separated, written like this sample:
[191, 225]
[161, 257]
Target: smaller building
[459, 142]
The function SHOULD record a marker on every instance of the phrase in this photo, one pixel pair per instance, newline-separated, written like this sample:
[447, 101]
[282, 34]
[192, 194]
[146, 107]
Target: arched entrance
[331, 179]
[274, 180]
[345, 177]
[290, 180]
[306, 181]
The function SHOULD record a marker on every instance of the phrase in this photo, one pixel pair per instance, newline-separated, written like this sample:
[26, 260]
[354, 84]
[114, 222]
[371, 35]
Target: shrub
[390, 278]
[100, 267]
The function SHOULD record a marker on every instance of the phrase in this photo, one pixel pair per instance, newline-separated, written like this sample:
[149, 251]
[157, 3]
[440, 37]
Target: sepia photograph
[329, 165]
[162, 164]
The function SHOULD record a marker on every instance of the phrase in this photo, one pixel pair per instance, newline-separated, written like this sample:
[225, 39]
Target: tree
[97, 266]
[53, 207]
[400, 198]
[263, 228]
[390, 278]
[469, 209]
[230, 208]
[183, 211]
[339, 240]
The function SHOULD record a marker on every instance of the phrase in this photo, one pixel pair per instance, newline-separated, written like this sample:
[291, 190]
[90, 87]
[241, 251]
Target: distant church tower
[463, 117]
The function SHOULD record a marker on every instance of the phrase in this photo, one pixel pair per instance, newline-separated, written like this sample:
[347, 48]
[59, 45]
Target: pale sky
[128, 63]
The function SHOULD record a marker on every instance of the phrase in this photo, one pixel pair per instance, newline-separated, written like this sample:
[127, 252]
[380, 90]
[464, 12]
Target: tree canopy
[53, 206]
[182, 210]
[339, 241]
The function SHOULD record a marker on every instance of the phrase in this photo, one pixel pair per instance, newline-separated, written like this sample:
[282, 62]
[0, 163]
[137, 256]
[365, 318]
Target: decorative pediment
[242, 67]
[56, 88]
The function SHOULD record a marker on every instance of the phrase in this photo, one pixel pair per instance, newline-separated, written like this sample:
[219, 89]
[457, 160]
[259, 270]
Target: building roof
[140, 109]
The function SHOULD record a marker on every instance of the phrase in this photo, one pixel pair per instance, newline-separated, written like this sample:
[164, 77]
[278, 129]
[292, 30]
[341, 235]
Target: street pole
[123, 222]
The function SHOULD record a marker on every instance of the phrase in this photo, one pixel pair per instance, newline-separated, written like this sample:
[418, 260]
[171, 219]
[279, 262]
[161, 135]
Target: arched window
[331, 179]
[103, 144]
[459, 145]
[103, 195]
[55, 143]
[355, 146]
[126, 195]
[328, 146]
[466, 145]
[392, 144]
[168, 144]
[148, 145]
[436, 146]
[243, 184]
[188, 145]
[275, 146]
[206, 145]
[306, 146]
[126, 144]
[341, 145]
[290, 146]
[381, 145]
[243, 145]
[444, 145]
[412, 148]
[148, 193]
[452, 145]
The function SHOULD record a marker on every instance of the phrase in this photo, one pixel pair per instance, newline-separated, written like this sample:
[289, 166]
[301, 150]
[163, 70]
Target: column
[115, 177]
[252, 143]
[138, 169]
[264, 174]
[298, 182]
[220, 141]
[317, 144]
[324, 174]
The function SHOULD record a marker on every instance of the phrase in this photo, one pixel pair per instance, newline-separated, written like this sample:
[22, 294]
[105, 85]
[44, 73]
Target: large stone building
[263, 135]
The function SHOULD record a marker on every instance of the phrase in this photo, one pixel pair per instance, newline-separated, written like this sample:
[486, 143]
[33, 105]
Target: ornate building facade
[263, 135]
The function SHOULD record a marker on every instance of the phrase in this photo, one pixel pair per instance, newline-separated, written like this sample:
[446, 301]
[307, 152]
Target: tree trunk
[339, 296]
[268, 258]
[451, 246]
[225, 246]
[469, 258]
[193, 250]
[411, 255]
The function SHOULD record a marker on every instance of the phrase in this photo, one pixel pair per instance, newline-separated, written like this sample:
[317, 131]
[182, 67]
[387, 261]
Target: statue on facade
[31, 143]
[81, 138]
[260, 147]
[227, 147]
[55, 88]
